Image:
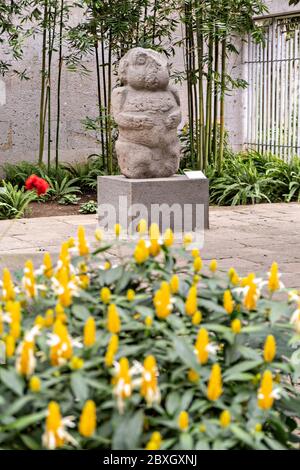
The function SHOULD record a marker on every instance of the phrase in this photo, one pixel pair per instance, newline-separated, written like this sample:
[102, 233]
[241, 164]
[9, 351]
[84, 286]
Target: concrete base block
[177, 202]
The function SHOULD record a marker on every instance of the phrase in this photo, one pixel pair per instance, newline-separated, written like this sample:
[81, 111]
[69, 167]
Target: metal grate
[274, 89]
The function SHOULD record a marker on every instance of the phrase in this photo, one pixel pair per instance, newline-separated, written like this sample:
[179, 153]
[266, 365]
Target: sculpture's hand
[146, 122]
[173, 120]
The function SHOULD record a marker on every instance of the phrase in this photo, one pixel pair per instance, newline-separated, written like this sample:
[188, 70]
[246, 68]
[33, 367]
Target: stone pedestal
[176, 202]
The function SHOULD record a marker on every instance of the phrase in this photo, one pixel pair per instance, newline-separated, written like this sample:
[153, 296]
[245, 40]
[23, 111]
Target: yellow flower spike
[53, 438]
[269, 348]
[71, 242]
[198, 264]
[142, 226]
[1, 323]
[122, 382]
[83, 248]
[39, 321]
[62, 350]
[14, 309]
[193, 376]
[187, 239]
[236, 326]
[47, 265]
[251, 297]
[112, 349]
[141, 252]
[213, 266]
[265, 395]
[107, 265]
[201, 346]
[228, 302]
[105, 295]
[60, 313]
[117, 230]
[162, 301]
[196, 279]
[65, 298]
[202, 428]
[25, 363]
[258, 427]
[168, 237]
[183, 421]
[88, 419]
[148, 321]
[155, 441]
[195, 253]
[197, 318]
[98, 235]
[233, 277]
[130, 295]
[89, 332]
[154, 235]
[274, 283]
[113, 319]
[225, 419]
[191, 301]
[76, 363]
[10, 345]
[8, 289]
[174, 284]
[29, 279]
[214, 388]
[35, 384]
[64, 257]
[149, 386]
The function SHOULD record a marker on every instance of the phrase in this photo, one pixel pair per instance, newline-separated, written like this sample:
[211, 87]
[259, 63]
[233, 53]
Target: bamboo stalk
[216, 73]
[222, 105]
[199, 35]
[43, 85]
[208, 103]
[109, 124]
[60, 64]
[103, 65]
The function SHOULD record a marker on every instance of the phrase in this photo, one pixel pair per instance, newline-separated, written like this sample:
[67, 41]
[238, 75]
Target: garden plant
[146, 352]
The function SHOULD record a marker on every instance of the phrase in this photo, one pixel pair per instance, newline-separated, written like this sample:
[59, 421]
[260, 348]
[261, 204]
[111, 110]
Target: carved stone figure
[147, 111]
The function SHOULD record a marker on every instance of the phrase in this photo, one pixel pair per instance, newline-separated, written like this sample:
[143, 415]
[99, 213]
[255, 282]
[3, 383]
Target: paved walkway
[249, 238]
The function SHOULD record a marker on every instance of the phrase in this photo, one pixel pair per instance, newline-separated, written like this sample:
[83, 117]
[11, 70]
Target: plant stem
[216, 73]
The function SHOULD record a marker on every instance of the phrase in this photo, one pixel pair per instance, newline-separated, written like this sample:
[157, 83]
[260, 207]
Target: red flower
[39, 184]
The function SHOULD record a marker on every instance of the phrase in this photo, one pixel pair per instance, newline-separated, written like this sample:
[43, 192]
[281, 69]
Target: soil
[52, 208]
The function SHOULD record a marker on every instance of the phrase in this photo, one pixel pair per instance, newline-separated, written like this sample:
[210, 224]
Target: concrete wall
[19, 104]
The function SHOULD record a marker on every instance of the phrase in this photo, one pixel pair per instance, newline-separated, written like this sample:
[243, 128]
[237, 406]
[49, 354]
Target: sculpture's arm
[174, 117]
[126, 119]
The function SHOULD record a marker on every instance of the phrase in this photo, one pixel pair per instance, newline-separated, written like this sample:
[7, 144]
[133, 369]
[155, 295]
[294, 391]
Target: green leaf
[185, 353]
[186, 441]
[29, 442]
[79, 387]
[25, 421]
[12, 380]
[80, 312]
[241, 367]
[242, 435]
[172, 403]
[187, 399]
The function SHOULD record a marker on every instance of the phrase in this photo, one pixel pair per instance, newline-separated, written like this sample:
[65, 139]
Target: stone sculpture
[147, 111]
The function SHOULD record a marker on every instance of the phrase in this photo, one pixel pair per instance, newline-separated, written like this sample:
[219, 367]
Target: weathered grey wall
[19, 105]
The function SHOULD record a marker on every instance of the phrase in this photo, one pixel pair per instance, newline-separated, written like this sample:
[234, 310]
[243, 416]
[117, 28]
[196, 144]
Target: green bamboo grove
[107, 30]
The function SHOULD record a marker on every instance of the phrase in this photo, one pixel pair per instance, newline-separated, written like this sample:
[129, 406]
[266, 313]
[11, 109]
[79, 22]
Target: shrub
[89, 207]
[69, 199]
[146, 353]
[14, 201]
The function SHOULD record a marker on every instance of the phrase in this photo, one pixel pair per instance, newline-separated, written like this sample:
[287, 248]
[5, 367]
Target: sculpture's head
[144, 69]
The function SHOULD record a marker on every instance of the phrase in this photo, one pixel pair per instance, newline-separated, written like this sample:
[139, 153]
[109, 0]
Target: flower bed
[147, 353]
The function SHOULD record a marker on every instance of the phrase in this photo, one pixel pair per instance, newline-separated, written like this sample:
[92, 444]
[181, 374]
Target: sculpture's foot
[138, 161]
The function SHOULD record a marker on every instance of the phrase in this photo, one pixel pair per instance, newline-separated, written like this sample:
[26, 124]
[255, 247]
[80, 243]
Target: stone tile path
[248, 238]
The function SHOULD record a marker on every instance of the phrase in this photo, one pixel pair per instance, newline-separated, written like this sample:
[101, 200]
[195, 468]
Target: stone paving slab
[249, 238]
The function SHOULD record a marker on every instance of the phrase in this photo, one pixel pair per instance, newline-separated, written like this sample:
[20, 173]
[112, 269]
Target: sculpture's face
[144, 69]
